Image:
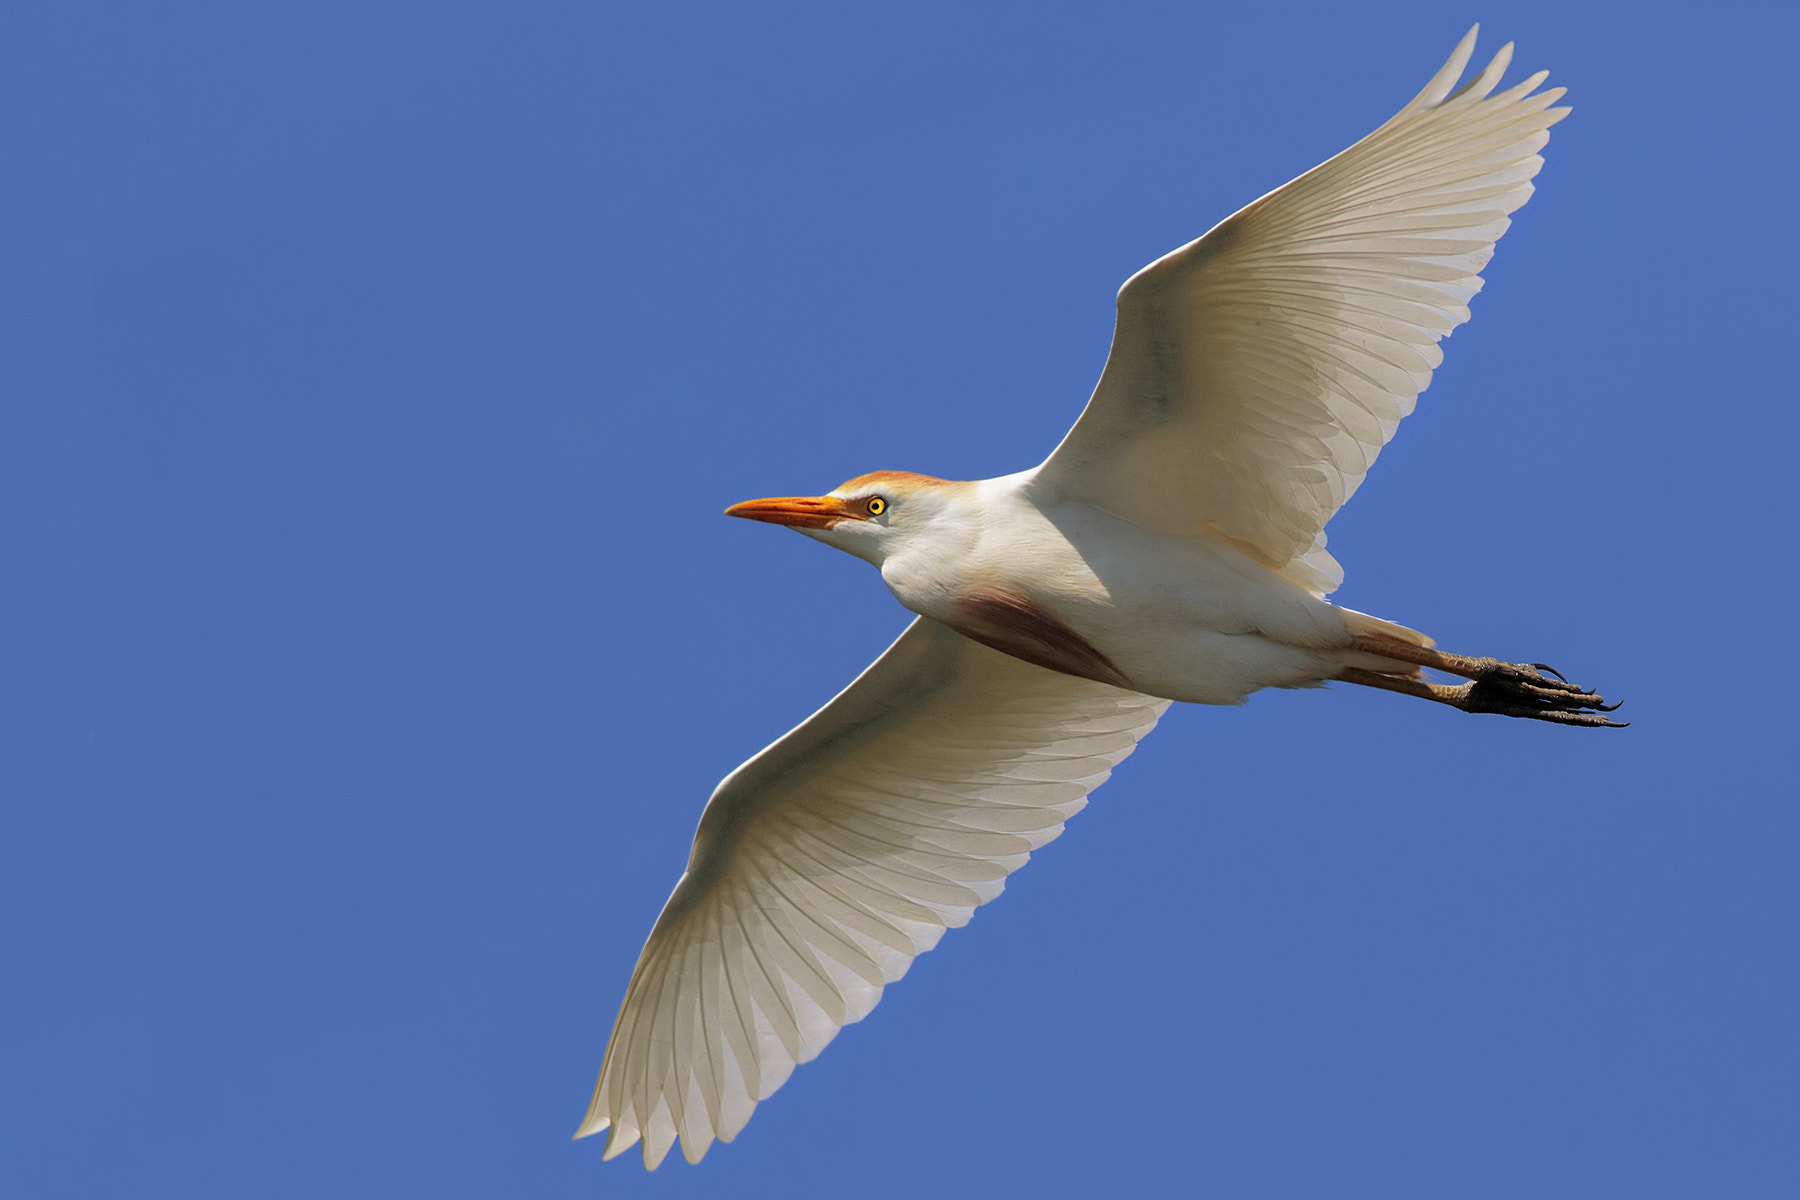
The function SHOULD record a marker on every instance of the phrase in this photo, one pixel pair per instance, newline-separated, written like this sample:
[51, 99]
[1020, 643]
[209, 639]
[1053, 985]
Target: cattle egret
[1171, 548]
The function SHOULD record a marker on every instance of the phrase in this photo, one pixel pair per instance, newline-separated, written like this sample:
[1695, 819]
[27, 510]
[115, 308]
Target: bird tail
[1363, 625]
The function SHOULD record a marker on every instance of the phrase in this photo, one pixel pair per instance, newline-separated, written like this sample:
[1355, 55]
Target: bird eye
[876, 506]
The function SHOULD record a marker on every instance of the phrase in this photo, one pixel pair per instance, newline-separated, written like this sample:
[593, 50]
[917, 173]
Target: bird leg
[1510, 689]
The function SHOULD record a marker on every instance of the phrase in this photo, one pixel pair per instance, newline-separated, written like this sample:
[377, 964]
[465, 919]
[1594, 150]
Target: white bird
[1171, 548]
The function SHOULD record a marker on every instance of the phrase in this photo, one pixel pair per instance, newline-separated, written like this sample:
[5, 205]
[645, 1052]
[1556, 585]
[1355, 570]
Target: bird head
[867, 516]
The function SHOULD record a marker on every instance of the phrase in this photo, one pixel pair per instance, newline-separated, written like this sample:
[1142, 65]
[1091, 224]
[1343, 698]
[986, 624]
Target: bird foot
[1520, 690]
[1535, 691]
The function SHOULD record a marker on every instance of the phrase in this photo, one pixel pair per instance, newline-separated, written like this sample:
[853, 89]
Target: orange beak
[808, 512]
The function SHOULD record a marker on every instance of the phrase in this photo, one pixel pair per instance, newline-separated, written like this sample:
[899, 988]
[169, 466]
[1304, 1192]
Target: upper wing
[1256, 373]
[826, 863]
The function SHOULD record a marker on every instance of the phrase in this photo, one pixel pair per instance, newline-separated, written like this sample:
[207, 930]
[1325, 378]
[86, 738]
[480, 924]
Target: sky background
[372, 377]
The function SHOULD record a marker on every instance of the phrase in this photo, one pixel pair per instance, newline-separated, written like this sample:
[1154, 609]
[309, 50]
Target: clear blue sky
[372, 378]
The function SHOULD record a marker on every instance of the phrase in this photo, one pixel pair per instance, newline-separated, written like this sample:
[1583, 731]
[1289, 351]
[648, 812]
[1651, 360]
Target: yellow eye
[876, 506]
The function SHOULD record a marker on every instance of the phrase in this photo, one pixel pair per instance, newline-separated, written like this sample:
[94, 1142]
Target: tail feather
[1362, 624]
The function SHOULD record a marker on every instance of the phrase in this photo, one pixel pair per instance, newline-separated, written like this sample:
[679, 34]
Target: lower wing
[825, 864]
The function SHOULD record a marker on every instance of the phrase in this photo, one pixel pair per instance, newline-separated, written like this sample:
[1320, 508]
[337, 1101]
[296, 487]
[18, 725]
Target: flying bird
[1171, 548]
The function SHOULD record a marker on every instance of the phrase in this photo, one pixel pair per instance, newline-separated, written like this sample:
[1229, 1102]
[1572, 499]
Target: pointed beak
[807, 512]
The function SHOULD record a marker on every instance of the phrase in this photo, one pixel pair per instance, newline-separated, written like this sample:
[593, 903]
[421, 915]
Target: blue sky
[374, 378]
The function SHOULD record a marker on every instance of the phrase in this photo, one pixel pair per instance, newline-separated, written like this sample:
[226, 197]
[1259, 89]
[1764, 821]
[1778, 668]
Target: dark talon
[1537, 691]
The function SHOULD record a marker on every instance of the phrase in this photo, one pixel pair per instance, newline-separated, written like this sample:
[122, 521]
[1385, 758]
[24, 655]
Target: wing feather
[831, 860]
[1257, 372]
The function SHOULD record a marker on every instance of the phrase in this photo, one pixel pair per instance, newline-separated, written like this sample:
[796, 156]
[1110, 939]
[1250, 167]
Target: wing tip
[617, 1144]
[1442, 83]
[1443, 86]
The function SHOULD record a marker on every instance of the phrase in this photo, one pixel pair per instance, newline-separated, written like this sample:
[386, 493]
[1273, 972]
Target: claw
[1614, 707]
[1537, 691]
[1598, 722]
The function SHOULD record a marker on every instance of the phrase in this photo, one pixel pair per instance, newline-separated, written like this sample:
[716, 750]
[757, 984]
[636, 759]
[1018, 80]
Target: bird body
[1062, 583]
[1171, 548]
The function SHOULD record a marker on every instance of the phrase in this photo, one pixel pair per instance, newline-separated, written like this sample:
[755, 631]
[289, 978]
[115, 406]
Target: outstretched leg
[1510, 689]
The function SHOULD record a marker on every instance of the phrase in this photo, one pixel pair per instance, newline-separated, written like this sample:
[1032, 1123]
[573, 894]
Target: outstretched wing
[1257, 372]
[825, 864]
